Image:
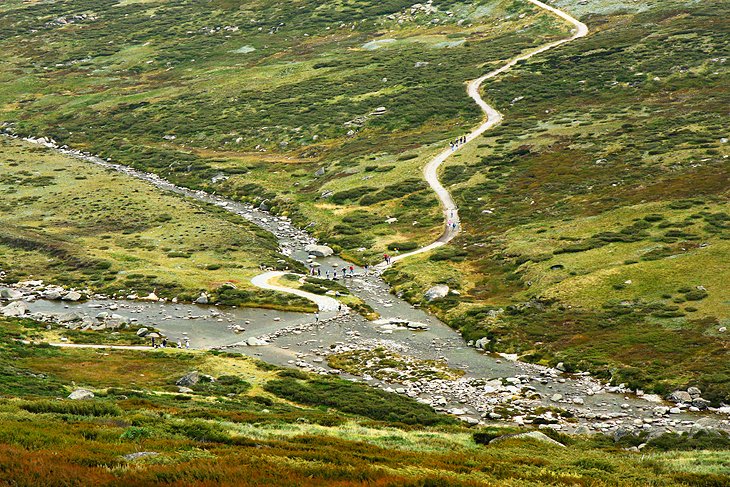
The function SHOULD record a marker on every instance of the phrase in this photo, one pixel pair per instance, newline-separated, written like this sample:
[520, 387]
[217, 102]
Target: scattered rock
[11, 294]
[319, 250]
[202, 299]
[319, 172]
[72, 296]
[694, 392]
[142, 332]
[14, 309]
[532, 435]
[556, 397]
[436, 292]
[679, 396]
[256, 342]
[80, 394]
[189, 379]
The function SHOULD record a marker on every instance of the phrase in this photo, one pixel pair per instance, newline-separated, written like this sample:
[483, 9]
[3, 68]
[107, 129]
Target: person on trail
[319, 272]
[164, 342]
[187, 342]
[367, 269]
[153, 343]
[335, 275]
[179, 343]
[316, 317]
[386, 258]
[327, 274]
[339, 308]
[344, 272]
[352, 271]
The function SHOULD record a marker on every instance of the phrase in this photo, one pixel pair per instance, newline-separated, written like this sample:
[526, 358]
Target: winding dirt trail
[325, 303]
[493, 118]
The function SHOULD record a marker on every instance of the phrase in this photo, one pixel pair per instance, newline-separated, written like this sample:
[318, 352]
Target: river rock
[556, 397]
[319, 250]
[680, 396]
[436, 292]
[80, 394]
[256, 342]
[482, 343]
[202, 299]
[532, 435]
[700, 403]
[694, 392]
[68, 317]
[52, 295]
[189, 379]
[14, 309]
[11, 294]
[72, 296]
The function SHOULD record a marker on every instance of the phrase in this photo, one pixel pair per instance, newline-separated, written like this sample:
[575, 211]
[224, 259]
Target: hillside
[244, 429]
[201, 171]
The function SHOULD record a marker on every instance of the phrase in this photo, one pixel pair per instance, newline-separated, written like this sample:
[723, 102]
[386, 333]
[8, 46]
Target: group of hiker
[164, 342]
[458, 142]
[335, 274]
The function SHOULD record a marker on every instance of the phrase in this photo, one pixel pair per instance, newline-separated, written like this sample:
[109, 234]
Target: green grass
[69, 222]
[258, 424]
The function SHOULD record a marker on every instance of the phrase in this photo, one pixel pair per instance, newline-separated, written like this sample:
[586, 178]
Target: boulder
[80, 394]
[319, 172]
[700, 403]
[11, 294]
[319, 250]
[556, 397]
[68, 317]
[150, 297]
[142, 332]
[532, 435]
[482, 343]
[72, 296]
[184, 390]
[52, 295]
[202, 299]
[189, 379]
[694, 392]
[256, 342]
[680, 396]
[436, 292]
[14, 309]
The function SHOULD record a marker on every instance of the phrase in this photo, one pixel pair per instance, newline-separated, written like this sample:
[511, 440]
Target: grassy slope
[70, 222]
[243, 430]
[624, 123]
[119, 81]
[601, 197]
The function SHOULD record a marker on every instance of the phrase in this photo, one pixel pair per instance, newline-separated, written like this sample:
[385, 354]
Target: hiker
[319, 272]
[153, 343]
[327, 274]
[344, 272]
[164, 342]
[386, 258]
[339, 308]
[367, 269]
[187, 342]
[352, 271]
[334, 274]
[179, 343]
[316, 317]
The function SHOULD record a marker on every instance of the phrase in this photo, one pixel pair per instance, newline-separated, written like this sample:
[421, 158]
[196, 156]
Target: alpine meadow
[364, 242]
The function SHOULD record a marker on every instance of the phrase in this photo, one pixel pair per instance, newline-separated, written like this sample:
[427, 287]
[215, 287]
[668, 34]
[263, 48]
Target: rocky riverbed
[491, 387]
